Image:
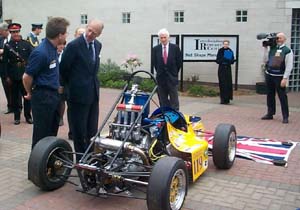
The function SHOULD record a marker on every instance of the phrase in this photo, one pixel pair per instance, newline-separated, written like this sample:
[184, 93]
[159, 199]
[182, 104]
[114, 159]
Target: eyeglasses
[14, 32]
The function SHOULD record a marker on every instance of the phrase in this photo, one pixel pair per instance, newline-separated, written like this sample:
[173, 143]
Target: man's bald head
[93, 29]
[280, 38]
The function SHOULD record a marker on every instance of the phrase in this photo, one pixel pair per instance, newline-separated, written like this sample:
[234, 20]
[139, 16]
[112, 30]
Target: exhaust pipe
[112, 144]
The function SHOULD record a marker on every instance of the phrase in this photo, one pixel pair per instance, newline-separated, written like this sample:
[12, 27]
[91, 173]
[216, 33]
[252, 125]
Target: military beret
[14, 27]
[37, 26]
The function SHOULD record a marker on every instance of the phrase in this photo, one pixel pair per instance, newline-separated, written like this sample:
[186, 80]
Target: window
[179, 16]
[126, 17]
[83, 19]
[241, 16]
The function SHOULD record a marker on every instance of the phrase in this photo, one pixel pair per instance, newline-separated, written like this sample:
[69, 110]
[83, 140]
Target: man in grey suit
[167, 61]
[78, 70]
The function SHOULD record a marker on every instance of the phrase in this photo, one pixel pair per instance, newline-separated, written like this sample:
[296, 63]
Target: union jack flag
[263, 150]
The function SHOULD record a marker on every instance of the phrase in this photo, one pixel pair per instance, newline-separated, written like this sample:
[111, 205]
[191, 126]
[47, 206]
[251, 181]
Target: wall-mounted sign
[205, 47]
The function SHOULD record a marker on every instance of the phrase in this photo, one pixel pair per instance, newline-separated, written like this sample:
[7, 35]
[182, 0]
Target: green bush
[109, 65]
[147, 85]
[198, 90]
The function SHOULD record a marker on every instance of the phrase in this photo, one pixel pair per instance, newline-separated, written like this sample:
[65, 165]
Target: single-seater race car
[152, 157]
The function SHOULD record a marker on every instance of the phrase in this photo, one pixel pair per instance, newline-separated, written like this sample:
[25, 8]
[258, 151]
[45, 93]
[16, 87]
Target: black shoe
[17, 122]
[29, 121]
[285, 121]
[8, 111]
[267, 117]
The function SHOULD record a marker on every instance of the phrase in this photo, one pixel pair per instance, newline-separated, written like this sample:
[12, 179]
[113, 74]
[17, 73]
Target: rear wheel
[224, 146]
[167, 187]
[50, 163]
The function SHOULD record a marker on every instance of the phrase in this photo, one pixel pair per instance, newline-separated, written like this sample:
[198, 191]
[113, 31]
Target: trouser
[273, 86]
[70, 134]
[18, 92]
[84, 126]
[45, 111]
[8, 92]
[225, 83]
[168, 95]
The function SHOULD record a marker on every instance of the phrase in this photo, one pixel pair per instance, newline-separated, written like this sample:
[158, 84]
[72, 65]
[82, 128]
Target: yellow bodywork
[187, 142]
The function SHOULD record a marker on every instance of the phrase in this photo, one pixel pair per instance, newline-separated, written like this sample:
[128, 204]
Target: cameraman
[279, 67]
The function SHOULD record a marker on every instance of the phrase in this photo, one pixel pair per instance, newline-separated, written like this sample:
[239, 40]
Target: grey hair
[3, 26]
[163, 31]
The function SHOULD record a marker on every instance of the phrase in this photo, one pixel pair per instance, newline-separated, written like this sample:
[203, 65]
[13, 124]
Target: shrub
[198, 90]
[109, 66]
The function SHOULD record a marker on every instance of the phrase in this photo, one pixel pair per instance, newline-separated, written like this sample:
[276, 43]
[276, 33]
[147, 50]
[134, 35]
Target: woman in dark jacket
[225, 58]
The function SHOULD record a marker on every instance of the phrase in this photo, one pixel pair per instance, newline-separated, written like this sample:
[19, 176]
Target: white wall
[201, 17]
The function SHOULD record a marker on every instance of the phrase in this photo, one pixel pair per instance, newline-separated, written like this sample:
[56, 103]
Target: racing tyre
[47, 161]
[168, 184]
[224, 146]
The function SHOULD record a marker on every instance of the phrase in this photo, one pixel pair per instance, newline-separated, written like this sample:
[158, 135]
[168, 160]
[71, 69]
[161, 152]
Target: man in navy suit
[78, 69]
[167, 61]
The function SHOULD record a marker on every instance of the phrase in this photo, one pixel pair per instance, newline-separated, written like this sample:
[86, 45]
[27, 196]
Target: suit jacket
[2, 65]
[167, 72]
[79, 73]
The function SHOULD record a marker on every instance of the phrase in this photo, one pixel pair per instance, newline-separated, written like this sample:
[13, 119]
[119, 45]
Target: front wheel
[224, 146]
[167, 187]
[50, 163]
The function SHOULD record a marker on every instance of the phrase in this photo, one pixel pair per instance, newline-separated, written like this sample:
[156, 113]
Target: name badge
[52, 64]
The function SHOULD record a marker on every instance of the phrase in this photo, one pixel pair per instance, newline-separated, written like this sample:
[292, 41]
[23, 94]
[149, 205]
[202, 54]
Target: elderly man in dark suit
[78, 69]
[167, 61]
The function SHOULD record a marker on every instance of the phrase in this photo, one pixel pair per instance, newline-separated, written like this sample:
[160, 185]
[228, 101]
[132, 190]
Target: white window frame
[179, 16]
[126, 17]
[83, 19]
[241, 15]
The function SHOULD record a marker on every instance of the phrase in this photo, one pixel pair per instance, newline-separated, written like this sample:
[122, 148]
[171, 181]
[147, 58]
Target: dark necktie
[91, 51]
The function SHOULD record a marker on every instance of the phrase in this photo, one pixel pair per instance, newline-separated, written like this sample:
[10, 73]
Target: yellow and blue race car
[157, 154]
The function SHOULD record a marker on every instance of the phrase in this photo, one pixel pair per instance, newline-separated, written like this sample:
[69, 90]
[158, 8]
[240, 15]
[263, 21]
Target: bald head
[280, 38]
[79, 31]
[93, 29]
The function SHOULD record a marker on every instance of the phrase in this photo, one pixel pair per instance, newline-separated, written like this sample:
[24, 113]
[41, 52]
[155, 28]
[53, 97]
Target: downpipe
[112, 144]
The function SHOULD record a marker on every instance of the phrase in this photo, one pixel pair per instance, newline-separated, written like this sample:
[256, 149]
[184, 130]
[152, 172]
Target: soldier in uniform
[16, 54]
[32, 37]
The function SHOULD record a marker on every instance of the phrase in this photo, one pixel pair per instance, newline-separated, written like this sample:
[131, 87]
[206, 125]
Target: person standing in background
[279, 68]
[32, 38]
[225, 58]
[16, 54]
[167, 62]
[5, 37]
[60, 49]
[79, 31]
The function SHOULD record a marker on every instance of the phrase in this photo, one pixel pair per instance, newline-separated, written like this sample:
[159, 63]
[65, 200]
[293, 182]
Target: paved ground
[248, 185]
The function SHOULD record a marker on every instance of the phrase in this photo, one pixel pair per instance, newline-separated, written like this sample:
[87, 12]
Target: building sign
[205, 47]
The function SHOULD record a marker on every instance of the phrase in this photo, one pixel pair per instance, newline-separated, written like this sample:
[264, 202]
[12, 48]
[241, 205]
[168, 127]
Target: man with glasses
[41, 80]
[279, 68]
[16, 54]
[78, 69]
